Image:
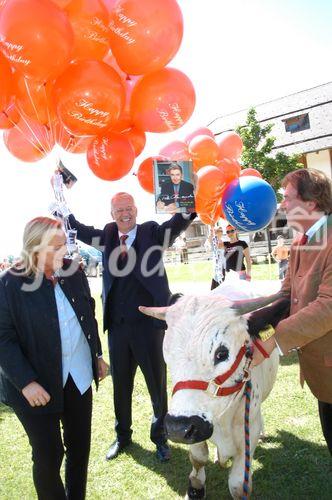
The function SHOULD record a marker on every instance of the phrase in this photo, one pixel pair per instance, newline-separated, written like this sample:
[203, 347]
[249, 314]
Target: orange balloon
[230, 168]
[110, 157]
[230, 145]
[176, 151]
[69, 142]
[36, 37]
[111, 61]
[209, 212]
[110, 5]
[89, 19]
[162, 101]
[146, 34]
[9, 117]
[136, 138]
[34, 99]
[250, 171]
[199, 131]
[203, 150]
[210, 218]
[210, 183]
[88, 97]
[29, 140]
[145, 173]
[61, 3]
[125, 121]
[6, 82]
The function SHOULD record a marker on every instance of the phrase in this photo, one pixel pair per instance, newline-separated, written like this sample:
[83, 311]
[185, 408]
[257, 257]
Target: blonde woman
[49, 354]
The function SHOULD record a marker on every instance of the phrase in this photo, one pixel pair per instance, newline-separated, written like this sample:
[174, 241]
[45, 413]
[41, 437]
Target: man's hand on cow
[269, 345]
[155, 312]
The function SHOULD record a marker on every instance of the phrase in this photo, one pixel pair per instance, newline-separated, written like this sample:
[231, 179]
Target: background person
[218, 252]
[280, 254]
[181, 246]
[49, 354]
[308, 206]
[134, 339]
[236, 252]
[176, 193]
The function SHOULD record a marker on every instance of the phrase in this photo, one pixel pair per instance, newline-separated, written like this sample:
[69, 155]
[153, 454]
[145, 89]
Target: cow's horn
[249, 305]
[155, 312]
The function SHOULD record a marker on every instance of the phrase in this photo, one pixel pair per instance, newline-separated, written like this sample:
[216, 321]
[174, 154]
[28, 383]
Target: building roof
[315, 102]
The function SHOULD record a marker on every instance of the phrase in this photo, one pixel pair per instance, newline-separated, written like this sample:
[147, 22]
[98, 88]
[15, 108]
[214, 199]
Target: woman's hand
[35, 394]
[103, 368]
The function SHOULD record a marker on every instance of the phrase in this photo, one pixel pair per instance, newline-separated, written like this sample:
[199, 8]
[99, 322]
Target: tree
[257, 147]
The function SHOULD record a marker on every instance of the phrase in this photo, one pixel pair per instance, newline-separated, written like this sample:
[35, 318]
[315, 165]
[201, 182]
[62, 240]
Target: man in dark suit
[134, 274]
[176, 193]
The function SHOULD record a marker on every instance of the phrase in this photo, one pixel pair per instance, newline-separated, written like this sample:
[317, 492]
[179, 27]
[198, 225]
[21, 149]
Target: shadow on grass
[5, 409]
[291, 359]
[287, 467]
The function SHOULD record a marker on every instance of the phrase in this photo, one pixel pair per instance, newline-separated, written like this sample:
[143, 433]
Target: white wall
[321, 161]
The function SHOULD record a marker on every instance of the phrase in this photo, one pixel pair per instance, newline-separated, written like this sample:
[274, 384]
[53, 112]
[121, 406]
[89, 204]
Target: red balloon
[199, 131]
[89, 19]
[36, 37]
[250, 171]
[230, 145]
[203, 150]
[162, 101]
[70, 142]
[29, 140]
[145, 173]
[110, 157]
[136, 138]
[210, 183]
[176, 151]
[9, 117]
[6, 83]
[34, 99]
[146, 34]
[230, 168]
[89, 97]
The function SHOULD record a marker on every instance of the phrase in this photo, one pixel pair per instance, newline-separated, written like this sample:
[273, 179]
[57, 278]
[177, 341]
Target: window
[297, 123]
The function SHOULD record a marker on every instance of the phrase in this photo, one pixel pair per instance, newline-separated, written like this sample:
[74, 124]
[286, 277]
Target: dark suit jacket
[151, 240]
[30, 342]
[186, 194]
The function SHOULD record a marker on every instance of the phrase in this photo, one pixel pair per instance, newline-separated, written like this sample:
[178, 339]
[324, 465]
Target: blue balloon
[249, 203]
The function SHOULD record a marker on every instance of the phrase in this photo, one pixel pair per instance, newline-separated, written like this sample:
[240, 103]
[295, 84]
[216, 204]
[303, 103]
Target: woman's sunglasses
[230, 231]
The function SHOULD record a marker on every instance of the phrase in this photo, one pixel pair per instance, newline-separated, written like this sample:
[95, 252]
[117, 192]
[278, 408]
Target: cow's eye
[221, 354]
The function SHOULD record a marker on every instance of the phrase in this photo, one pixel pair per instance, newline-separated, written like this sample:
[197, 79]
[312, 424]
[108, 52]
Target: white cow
[204, 338]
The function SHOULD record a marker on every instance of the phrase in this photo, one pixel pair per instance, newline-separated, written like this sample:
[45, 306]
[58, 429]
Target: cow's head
[204, 337]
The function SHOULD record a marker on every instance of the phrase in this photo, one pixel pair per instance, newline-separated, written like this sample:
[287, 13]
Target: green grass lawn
[292, 463]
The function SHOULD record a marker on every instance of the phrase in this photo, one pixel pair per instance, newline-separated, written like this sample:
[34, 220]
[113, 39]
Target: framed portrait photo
[174, 186]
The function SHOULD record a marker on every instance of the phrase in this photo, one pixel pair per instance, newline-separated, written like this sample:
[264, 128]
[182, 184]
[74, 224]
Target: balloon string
[36, 111]
[41, 147]
[42, 151]
[30, 97]
[51, 127]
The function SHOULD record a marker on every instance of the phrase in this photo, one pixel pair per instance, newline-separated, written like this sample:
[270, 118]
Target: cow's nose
[188, 430]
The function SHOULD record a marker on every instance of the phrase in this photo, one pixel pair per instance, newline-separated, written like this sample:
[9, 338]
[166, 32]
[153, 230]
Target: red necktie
[303, 240]
[123, 246]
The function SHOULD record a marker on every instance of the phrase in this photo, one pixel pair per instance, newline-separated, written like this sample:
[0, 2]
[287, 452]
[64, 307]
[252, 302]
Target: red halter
[214, 386]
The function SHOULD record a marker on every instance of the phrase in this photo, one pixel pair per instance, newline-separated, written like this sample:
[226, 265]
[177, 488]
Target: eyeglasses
[230, 231]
